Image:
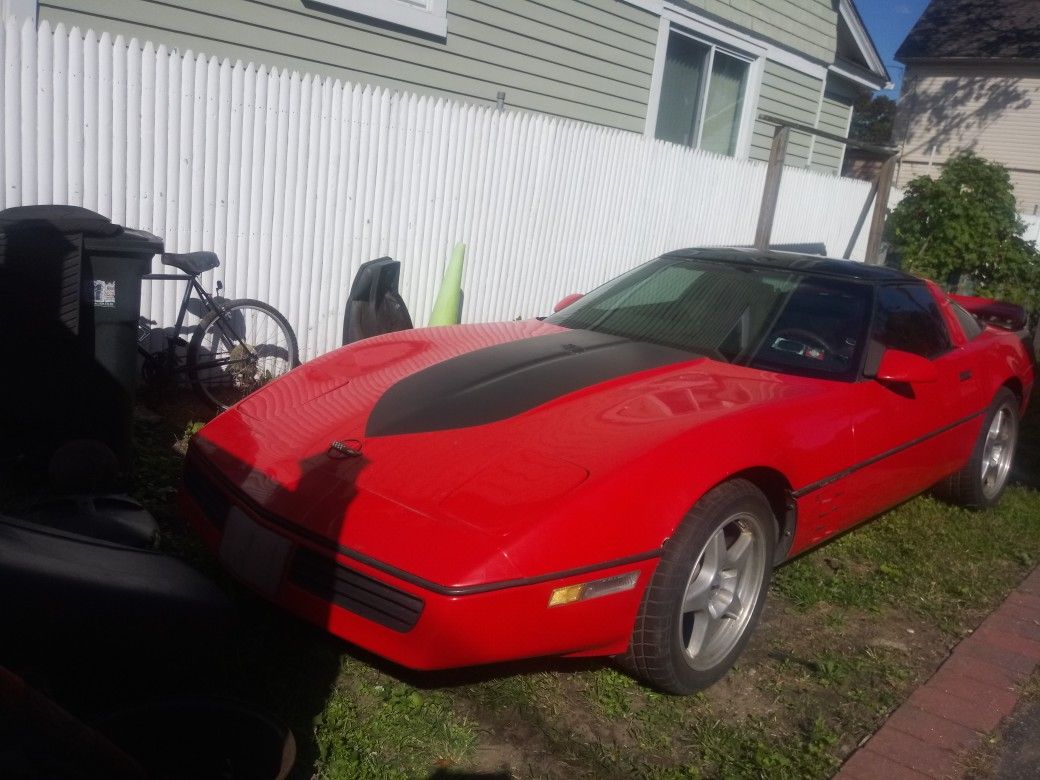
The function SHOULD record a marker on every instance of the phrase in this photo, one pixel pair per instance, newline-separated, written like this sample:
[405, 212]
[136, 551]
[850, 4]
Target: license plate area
[252, 553]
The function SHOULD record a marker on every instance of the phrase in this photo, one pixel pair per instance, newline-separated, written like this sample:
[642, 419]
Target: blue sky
[888, 22]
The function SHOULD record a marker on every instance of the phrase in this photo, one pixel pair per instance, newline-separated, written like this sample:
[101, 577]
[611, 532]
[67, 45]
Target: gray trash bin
[70, 296]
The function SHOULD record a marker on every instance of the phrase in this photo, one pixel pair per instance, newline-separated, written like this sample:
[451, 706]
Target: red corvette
[617, 479]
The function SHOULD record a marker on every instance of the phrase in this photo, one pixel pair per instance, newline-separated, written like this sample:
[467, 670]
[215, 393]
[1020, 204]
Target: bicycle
[237, 347]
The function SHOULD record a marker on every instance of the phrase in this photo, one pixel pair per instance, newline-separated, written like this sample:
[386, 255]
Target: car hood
[463, 437]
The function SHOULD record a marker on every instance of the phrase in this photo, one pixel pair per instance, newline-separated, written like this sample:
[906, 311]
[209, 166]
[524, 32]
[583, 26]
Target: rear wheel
[707, 593]
[238, 350]
[982, 481]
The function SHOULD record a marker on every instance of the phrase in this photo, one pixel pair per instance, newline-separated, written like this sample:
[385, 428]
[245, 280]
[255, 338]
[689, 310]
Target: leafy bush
[964, 226]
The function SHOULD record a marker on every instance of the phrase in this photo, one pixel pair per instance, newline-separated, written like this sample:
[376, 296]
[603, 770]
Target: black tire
[968, 487]
[226, 363]
[658, 653]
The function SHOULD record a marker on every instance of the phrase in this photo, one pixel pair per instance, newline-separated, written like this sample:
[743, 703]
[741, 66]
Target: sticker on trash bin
[104, 293]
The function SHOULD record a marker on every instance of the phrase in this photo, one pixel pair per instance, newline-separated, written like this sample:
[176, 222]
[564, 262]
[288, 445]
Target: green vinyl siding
[589, 60]
[788, 94]
[806, 26]
[835, 111]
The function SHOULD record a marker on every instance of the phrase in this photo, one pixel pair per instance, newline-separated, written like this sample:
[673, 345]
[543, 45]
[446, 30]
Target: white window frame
[432, 20]
[684, 16]
[719, 38]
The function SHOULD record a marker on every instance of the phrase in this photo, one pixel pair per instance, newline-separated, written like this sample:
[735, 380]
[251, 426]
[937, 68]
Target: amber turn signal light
[589, 590]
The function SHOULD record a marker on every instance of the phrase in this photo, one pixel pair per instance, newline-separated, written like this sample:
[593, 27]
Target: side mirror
[905, 367]
[567, 301]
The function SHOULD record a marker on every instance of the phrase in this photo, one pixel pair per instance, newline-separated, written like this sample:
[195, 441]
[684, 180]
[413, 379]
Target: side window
[908, 319]
[820, 331]
[969, 324]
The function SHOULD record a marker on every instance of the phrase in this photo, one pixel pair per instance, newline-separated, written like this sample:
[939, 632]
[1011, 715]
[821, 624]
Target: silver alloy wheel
[722, 591]
[999, 450]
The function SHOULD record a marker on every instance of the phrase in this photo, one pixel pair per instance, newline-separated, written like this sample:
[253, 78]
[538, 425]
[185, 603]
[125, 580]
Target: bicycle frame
[207, 300]
[193, 285]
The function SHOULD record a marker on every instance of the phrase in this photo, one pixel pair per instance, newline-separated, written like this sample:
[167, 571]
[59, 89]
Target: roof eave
[865, 44]
[857, 75]
[936, 60]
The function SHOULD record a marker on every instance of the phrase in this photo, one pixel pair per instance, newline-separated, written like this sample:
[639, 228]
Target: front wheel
[238, 349]
[707, 593]
[981, 482]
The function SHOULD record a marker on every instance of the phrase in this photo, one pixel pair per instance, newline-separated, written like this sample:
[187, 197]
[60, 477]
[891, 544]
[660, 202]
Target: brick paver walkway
[964, 700]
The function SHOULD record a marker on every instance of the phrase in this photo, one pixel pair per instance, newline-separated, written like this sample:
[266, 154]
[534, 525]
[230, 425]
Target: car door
[909, 436]
[970, 354]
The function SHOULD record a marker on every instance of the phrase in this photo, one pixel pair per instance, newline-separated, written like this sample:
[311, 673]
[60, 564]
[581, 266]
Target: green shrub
[964, 226]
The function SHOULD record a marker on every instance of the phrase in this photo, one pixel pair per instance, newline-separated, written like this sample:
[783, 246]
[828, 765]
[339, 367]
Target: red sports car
[619, 478]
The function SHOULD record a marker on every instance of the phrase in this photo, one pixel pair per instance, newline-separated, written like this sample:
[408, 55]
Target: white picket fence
[295, 180]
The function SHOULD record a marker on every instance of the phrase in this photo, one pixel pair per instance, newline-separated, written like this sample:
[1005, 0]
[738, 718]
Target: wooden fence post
[877, 222]
[771, 190]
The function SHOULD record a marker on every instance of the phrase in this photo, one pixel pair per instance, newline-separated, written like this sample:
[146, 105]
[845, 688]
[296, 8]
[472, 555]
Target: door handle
[965, 375]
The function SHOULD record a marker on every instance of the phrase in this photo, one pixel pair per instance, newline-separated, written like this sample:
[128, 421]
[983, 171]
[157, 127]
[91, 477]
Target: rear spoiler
[1008, 316]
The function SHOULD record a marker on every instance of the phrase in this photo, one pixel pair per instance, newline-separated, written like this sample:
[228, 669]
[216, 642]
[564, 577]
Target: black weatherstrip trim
[871, 461]
[404, 576]
[495, 383]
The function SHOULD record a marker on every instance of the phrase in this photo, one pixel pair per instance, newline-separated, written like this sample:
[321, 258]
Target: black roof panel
[795, 261]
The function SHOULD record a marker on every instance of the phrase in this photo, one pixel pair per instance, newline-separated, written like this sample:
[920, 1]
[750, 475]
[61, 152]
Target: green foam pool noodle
[447, 310]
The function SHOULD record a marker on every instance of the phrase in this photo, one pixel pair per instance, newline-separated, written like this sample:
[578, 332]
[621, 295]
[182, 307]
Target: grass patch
[612, 692]
[374, 726]
[688, 739]
[926, 557]
[751, 752]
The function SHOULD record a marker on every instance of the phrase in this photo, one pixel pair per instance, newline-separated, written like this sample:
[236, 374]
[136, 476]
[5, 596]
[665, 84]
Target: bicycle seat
[193, 263]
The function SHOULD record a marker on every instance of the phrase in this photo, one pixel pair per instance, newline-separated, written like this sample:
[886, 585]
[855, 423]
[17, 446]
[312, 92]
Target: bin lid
[135, 243]
[64, 219]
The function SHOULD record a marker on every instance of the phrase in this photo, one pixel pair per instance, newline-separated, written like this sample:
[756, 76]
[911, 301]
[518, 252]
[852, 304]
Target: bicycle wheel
[239, 349]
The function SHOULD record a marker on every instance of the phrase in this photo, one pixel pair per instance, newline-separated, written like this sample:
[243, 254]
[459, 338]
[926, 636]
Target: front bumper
[393, 616]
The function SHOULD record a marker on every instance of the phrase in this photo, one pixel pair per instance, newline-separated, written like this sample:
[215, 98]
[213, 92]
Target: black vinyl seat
[193, 263]
[374, 305]
[68, 584]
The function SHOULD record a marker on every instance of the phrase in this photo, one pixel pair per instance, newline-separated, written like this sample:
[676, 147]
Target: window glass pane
[820, 332]
[703, 307]
[908, 319]
[665, 286]
[725, 104]
[770, 319]
[681, 89]
[969, 324]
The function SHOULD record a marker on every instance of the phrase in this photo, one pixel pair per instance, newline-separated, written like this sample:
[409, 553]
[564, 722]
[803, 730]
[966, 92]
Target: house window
[427, 16]
[703, 89]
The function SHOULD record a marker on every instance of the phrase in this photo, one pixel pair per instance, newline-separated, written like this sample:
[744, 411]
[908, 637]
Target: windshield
[772, 319]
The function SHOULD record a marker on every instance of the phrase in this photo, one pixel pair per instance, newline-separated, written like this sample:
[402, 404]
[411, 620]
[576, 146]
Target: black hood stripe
[499, 382]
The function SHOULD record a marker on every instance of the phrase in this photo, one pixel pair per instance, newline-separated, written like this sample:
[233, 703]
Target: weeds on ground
[376, 727]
